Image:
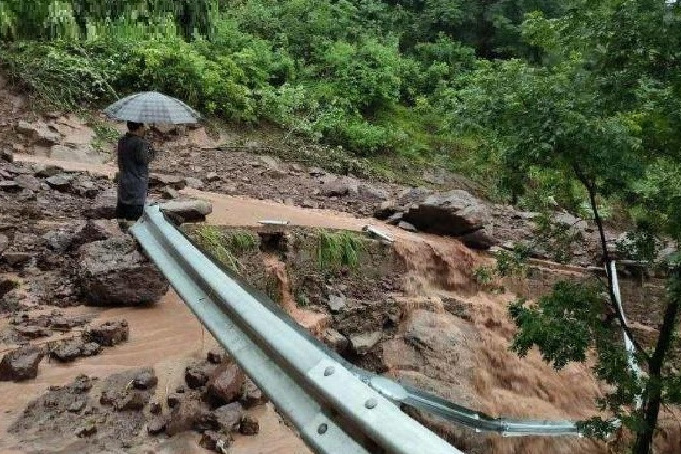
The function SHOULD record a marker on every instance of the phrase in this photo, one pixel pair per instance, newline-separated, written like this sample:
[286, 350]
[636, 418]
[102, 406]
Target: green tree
[603, 110]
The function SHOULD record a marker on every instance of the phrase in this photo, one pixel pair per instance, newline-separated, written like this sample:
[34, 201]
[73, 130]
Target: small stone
[86, 431]
[215, 441]
[10, 186]
[229, 416]
[169, 193]
[60, 182]
[194, 183]
[91, 349]
[155, 407]
[197, 375]
[362, 343]
[191, 415]
[212, 177]
[32, 332]
[67, 351]
[335, 340]
[156, 425]
[225, 385]
[108, 334]
[406, 226]
[145, 381]
[251, 395]
[249, 426]
[132, 401]
[336, 303]
[174, 400]
[6, 155]
[77, 406]
[216, 356]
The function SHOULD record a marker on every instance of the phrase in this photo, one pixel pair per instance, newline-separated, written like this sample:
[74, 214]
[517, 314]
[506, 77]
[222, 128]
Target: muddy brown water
[167, 336]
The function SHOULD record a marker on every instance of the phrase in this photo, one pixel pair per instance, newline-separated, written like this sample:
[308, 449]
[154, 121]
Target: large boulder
[114, 273]
[21, 364]
[456, 213]
[39, 132]
[187, 210]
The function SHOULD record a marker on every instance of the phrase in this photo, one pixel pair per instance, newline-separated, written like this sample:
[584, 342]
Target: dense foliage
[575, 103]
[364, 74]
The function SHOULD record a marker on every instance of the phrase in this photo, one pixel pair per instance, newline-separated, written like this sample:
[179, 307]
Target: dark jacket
[134, 156]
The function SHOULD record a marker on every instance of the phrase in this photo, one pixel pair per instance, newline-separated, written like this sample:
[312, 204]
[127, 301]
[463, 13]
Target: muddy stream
[167, 337]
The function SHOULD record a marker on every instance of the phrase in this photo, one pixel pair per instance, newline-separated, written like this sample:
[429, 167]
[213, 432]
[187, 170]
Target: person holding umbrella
[134, 155]
[134, 151]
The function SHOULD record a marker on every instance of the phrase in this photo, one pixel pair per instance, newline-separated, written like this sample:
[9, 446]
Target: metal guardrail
[334, 411]
[336, 406]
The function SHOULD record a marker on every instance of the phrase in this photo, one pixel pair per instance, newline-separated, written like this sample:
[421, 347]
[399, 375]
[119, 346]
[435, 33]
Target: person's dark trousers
[129, 212]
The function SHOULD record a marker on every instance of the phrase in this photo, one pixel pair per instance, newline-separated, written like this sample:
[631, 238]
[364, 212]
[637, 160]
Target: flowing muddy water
[167, 336]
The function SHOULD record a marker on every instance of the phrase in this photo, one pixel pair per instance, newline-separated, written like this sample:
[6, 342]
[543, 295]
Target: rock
[229, 416]
[191, 415]
[216, 356]
[108, 334]
[406, 226]
[16, 258]
[456, 213]
[6, 155]
[174, 400]
[10, 186]
[215, 441]
[67, 351]
[251, 395]
[362, 343]
[385, 210]
[60, 182]
[158, 180]
[194, 183]
[104, 206]
[188, 210]
[39, 132]
[82, 384]
[197, 375]
[155, 407]
[225, 384]
[156, 425]
[77, 405]
[316, 171]
[4, 243]
[372, 192]
[28, 182]
[213, 177]
[340, 187]
[145, 380]
[335, 340]
[32, 332]
[85, 431]
[310, 204]
[569, 220]
[21, 364]
[114, 273]
[395, 219]
[132, 401]
[91, 349]
[169, 193]
[336, 303]
[249, 426]
[46, 170]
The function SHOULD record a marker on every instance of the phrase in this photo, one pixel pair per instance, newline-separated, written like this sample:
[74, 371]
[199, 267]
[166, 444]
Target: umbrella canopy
[152, 107]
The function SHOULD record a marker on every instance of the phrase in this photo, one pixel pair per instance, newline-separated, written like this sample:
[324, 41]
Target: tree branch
[591, 189]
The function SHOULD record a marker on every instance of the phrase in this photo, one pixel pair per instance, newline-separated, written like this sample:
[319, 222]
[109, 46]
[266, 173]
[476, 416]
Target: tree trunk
[653, 394]
[606, 258]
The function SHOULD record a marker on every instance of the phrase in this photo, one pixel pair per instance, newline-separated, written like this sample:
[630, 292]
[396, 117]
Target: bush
[63, 75]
